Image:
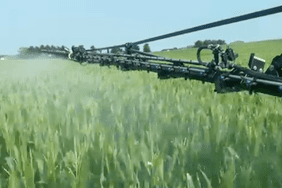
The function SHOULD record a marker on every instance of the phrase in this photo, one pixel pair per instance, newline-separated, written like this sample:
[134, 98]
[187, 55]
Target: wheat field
[67, 125]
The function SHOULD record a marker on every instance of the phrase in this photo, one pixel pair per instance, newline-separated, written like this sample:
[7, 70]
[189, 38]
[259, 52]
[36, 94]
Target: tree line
[200, 43]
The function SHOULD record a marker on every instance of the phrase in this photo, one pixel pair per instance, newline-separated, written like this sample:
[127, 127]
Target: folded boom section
[227, 76]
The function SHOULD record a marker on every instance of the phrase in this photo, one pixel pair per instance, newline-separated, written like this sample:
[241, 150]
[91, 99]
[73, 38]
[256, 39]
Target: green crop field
[67, 125]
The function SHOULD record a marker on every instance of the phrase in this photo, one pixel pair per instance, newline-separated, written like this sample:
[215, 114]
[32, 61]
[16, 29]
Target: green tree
[146, 48]
[206, 42]
[135, 47]
[115, 50]
[92, 47]
[31, 49]
[221, 42]
[198, 43]
[23, 51]
[214, 42]
[37, 49]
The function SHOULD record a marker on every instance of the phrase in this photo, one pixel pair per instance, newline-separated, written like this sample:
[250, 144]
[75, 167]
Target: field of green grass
[67, 125]
[264, 49]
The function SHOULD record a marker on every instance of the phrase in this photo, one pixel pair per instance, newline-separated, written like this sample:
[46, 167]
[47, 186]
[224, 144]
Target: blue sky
[105, 23]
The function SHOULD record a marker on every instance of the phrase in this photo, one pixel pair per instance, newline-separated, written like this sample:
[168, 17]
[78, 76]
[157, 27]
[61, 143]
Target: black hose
[199, 55]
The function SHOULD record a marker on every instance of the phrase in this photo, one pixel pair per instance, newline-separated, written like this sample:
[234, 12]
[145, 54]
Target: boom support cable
[245, 17]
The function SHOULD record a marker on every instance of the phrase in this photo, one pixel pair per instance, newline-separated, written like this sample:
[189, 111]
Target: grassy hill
[264, 49]
[67, 125]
